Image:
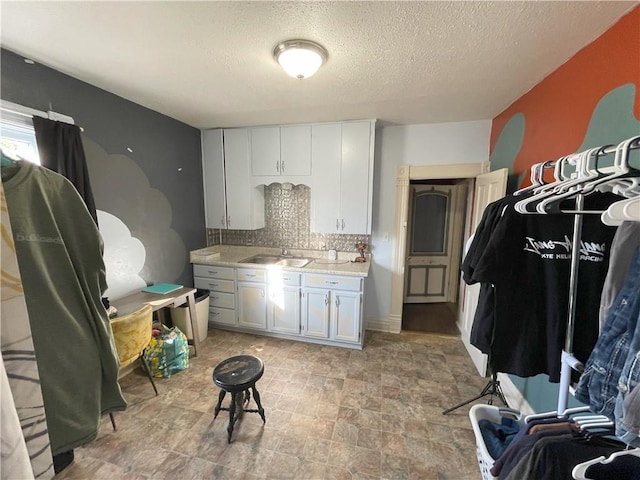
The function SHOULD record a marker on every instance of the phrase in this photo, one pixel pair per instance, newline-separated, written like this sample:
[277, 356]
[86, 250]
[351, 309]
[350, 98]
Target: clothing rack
[569, 362]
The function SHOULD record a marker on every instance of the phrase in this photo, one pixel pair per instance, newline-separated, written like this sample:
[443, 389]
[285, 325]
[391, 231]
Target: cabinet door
[295, 150]
[243, 201]
[213, 170]
[325, 189]
[265, 151]
[284, 309]
[346, 316]
[252, 305]
[315, 313]
[355, 183]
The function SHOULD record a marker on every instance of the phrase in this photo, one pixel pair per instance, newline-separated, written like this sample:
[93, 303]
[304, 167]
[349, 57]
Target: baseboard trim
[513, 395]
[377, 324]
[395, 323]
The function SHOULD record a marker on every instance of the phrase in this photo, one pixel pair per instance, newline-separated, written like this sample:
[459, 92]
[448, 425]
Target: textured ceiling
[209, 64]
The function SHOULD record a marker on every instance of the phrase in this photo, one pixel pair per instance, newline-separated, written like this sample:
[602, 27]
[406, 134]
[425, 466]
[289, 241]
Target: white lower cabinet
[220, 281]
[305, 306]
[283, 307]
[315, 312]
[252, 298]
[332, 307]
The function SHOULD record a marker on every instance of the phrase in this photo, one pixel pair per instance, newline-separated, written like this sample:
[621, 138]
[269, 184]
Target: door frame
[405, 174]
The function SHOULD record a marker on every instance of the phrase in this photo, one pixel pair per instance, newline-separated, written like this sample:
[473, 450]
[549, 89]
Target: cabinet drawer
[214, 284]
[251, 275]
[213, 271]
[333, 282]
[278, 277]
[222, 315]
[222, 300]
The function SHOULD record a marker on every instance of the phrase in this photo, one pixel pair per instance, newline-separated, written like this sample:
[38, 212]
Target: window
[17, 137]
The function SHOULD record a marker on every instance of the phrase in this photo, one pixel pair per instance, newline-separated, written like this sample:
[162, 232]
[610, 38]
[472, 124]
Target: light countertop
[231, 255]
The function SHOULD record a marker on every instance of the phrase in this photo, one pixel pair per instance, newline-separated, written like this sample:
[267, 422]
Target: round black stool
[236, 375]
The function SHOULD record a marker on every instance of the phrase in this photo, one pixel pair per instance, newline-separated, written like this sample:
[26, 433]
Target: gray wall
[164, 206]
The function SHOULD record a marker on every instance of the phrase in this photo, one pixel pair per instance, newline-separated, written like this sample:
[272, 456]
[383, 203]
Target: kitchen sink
[282, 260]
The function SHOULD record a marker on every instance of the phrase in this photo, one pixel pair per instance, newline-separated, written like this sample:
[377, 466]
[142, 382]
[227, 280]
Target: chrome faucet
[285, 252]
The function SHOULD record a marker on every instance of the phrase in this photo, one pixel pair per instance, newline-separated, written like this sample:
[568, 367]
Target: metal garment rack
[568, 360]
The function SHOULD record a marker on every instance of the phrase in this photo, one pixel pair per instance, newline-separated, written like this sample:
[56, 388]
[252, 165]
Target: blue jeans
[599, 384]
[628, 381]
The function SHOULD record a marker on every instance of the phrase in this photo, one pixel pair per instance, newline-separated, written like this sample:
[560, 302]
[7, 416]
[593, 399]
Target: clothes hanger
[627, 210]
[586, 171]
[554, 414]
[536, 178]
[579, 472]
[586, 186]
[542, 191]
[564, 181]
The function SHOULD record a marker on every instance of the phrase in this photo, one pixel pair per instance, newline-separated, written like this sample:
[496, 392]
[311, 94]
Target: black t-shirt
[528, 261]
[481, 335]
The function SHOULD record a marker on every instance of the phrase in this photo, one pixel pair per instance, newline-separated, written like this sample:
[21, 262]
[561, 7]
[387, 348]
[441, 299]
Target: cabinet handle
[222, 220]
[278, 167]
[211, 272]
[337, 301]
[343, 224]
[228, 221]
[282, 166]
[215, 297]
[215, 314]
[262, 292]
[337, 224]
[326, 299]
[331, 282]
[250, 275]
[213, 285]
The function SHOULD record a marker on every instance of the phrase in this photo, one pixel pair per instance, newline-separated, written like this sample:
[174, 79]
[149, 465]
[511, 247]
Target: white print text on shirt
[561, 249]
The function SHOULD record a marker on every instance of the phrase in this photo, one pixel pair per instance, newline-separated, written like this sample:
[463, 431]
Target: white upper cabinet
[295, 150]
[265, 151]
[281, 151]
[245, 204]
[326, 152]
[342, 185]
[215, 205]
[356, 178]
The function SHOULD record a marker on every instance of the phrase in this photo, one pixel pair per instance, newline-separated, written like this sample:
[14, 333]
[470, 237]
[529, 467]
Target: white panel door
[265, 151]
[489, 187]
[315, 313]
[284, 309]
[429, 243]
[214, 188]
[295, 150]
[252, 305]
[326, 151]
[345, 316]
[354, 181]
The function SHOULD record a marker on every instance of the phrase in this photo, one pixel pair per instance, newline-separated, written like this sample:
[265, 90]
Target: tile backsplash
[287, 225]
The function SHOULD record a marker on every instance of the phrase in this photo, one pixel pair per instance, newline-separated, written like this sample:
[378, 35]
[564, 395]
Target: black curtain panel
[60, 149]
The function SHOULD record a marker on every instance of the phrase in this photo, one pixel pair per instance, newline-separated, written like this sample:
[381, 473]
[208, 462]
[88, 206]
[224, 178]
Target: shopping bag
[167, 353]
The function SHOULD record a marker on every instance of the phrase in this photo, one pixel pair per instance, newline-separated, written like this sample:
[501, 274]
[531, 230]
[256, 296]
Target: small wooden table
[133, 302]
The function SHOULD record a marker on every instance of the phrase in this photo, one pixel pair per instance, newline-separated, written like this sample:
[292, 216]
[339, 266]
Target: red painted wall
[558, 109]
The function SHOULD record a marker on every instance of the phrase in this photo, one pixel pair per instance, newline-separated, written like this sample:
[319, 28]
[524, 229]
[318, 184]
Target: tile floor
[332, 413]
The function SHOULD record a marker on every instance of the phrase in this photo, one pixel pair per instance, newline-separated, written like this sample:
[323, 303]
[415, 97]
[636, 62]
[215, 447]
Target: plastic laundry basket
[180, 316]
[493, 414]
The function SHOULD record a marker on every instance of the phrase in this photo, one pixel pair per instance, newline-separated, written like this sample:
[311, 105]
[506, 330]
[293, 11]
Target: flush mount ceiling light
[300, 58]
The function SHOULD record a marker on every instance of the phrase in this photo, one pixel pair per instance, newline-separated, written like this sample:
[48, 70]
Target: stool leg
[232, 415]
[247, 396]
[220, 398]
[256, 397]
